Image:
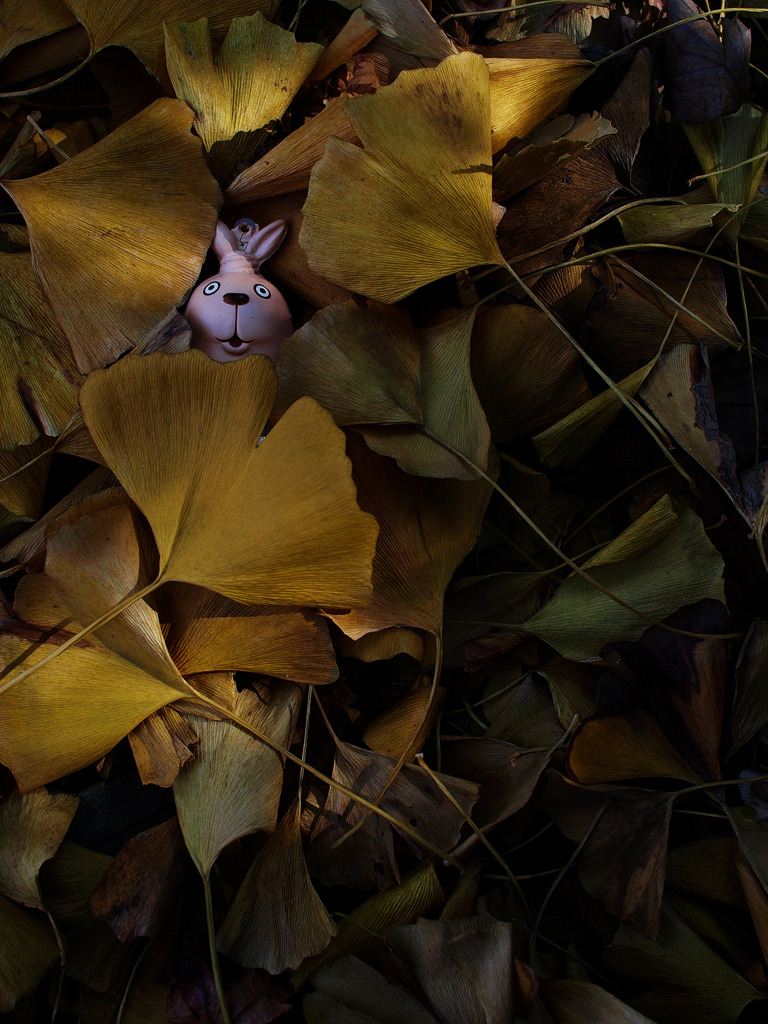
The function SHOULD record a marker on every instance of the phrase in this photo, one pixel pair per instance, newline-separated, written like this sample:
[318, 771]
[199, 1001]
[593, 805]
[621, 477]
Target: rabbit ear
[264, 242]
[224, 241]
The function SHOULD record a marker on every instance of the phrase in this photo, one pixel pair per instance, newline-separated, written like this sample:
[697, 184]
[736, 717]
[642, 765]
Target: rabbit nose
[235, 299]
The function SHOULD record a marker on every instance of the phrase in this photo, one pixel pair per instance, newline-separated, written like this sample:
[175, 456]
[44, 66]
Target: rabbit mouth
[235, 341]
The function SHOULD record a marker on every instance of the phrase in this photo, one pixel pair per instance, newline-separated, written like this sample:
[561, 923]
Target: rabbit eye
[211, 289]
[261, 291]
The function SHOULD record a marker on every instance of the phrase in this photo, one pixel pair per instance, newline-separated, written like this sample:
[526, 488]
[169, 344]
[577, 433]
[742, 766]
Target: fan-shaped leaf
[232, 787]
[277, 919]
[273, 524]
[421, 187]
[253, 78]
[119, 232]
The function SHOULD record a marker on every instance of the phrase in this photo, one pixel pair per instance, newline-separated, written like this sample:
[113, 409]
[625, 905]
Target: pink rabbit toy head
[237, 312]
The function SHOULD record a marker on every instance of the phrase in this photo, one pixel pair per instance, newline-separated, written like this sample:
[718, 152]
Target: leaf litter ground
[446, 701]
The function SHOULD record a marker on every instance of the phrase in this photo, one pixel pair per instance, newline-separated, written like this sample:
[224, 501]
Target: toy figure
[237, 312]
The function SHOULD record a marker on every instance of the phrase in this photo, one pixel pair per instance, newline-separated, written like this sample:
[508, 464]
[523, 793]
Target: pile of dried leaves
[445, 703]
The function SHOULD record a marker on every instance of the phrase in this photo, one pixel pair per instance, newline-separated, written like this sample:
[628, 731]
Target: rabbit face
[236, 314]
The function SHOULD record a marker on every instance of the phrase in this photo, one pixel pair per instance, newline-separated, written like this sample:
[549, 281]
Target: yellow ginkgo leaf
[24, 21]
[209, 633]
[251, 81]
[119, 232]
[38, 377]
[524, 92]
[420, 191]
[288, 166]
[104, 685]
[138, 24]
[275, 523]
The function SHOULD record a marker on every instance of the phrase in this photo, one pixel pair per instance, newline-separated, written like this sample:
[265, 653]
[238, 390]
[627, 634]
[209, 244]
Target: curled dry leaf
[288, 165]
[163, 424]
[24, 22]
[361, 931]
[114, 246]
[421, 186]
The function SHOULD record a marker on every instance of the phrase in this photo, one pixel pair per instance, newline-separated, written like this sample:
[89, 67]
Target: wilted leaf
[565, 442]
[463, 966]
[507, 774]
[208, 633]
[421, 187]
[276, 918]
[525, 372]
[101, 688]
[288, 165]
[412, 797]
[115, 245]
[660, 706]
[662, 561]
[139, 891]
[24, 473]
[418, 382]
[164, 426]
[162, 744]
[355, 993]
[680, 394]
[642, 315]
[24, 21]
[750, 706]
[706, 868]
[32, 825]
[551, 145]
[622, 862]
[673, 223]
[687, 976]
[27, 951]
[574, 1002]
[256, 73]
[706, 78]
[361, 932]
[732, 153]
[95, 957]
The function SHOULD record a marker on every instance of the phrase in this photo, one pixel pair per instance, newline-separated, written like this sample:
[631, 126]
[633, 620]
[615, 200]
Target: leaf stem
[102, 620]
[215, 966]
